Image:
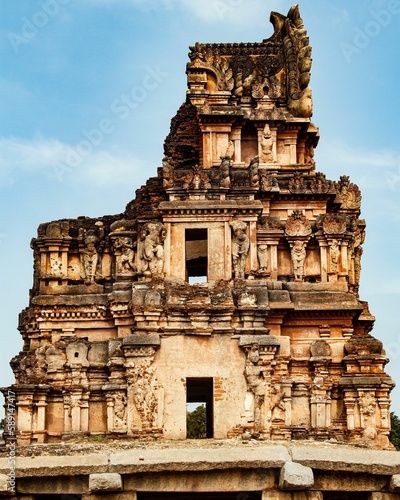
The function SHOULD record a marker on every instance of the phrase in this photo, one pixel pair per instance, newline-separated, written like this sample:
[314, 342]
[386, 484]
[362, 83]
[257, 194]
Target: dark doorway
[345, 495]
[237, 495]
[196, 255]
[200, 392]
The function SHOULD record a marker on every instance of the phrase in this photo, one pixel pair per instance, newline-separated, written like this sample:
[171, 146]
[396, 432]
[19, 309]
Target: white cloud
[375, 168]
[52, 158]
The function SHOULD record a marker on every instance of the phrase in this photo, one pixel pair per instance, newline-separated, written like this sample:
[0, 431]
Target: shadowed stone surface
[294, 476]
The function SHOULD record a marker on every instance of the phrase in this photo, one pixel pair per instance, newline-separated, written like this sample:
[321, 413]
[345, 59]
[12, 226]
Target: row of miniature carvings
[89, 261]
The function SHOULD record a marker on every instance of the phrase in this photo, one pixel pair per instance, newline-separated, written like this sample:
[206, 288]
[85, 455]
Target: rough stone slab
[395, 483]
[198, 459]
[294, 476]
[142, 340]
[105, 482]
[50, 465]
[266, 340]
[346, 459]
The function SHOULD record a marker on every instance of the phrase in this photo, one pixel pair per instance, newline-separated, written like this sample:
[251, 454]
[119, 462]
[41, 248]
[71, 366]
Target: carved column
[24, 413]
[143, 397]
[53, 244]
[349, 402]
[39, 432]
[320, 400]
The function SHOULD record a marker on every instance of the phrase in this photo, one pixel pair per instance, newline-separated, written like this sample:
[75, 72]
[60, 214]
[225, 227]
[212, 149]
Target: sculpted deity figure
[334, 253]
[125, 255]
[298, 255]
[262, 258]
[255, 380]
[89, 260]
[152, 255]
[267, 156]
[225, 180]
[240, 248]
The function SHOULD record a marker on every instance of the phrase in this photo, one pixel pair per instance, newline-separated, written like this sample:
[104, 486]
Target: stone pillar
[236, 138]
[384, 405]
[110, 413]
[323, 246]
[76, 411]
[349, 403]
[85, 413]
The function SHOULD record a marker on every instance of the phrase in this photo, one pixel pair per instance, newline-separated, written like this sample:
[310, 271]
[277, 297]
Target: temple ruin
[232, 279]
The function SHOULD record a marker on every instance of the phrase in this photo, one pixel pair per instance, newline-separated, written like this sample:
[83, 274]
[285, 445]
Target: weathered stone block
[395, 483]
[4, 484]
[105, 482]
[295, 476]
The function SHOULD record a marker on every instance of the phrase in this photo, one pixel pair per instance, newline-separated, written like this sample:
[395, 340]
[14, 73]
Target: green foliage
[196, 423]
[394, 436]
[98, 438]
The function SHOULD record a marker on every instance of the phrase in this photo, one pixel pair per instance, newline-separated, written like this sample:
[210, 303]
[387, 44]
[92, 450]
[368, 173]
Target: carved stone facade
[116, 332]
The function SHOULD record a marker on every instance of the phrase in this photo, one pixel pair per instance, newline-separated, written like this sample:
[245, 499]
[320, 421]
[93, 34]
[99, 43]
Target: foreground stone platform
[126, 470]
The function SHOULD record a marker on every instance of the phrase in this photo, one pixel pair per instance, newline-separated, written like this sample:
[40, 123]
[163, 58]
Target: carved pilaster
[260, 352]
[139, 351]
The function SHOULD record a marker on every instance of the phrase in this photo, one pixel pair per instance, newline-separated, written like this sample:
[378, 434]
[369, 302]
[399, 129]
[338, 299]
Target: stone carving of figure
[240, 248]
[144, 392]
[334, 253]
[277, 404]
[262, 258]
[298, 255]
[268, 182]
[119, 410]
[230, 150]
[267, 156]
[255, 380]
[152, 255]
[125, 256]
[254, 176]
[89, 260]
[225, 180]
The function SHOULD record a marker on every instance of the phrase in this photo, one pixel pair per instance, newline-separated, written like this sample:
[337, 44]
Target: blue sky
[72, 141]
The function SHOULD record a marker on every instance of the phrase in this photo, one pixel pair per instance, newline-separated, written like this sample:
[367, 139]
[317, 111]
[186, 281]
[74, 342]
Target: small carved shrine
[232, 278]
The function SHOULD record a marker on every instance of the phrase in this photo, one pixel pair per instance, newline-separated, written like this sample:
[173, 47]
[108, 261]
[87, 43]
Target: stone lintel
[367, 380]
[199, 459]
[261, 340]
[141, 340]
[294, 476]
[347, 459]
[64, 465]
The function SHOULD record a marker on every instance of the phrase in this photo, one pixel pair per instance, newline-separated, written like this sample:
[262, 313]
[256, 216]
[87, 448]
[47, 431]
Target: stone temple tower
[231, 279]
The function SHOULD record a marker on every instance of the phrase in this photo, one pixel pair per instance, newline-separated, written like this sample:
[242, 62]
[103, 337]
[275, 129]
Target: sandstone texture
[231, 282]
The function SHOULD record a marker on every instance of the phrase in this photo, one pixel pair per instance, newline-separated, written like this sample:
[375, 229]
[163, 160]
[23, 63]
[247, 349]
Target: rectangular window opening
[196, 255]
[199, 408]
